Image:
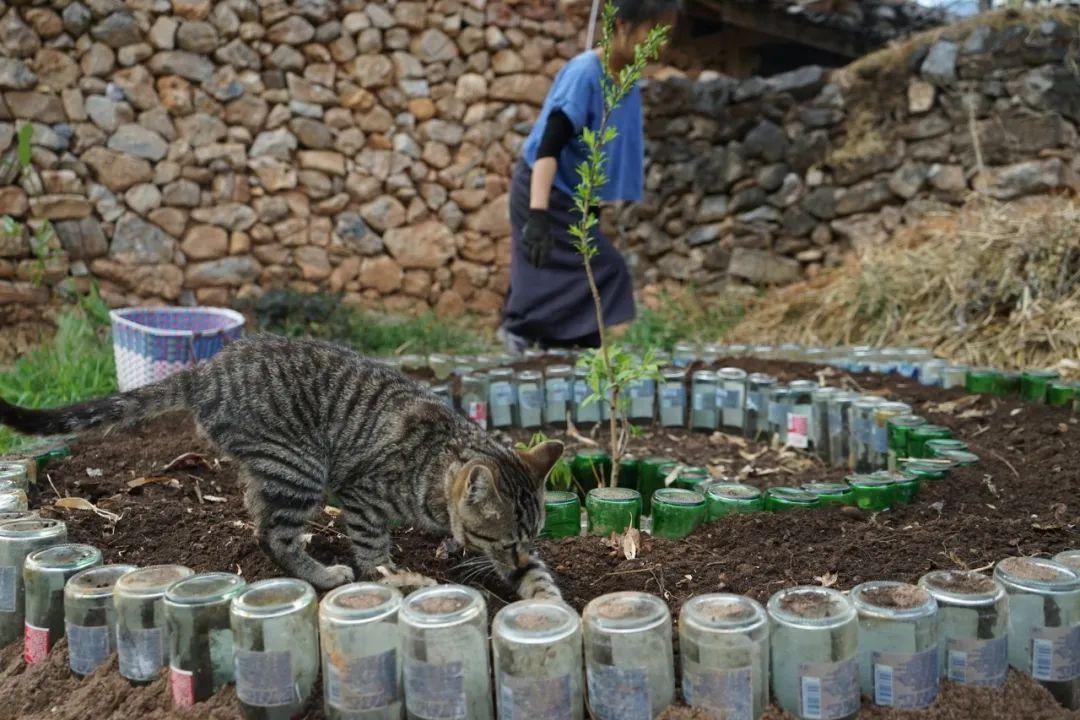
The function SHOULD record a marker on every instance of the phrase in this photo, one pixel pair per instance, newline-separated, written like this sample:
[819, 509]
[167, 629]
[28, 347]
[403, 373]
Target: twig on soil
[189, 459]
[328, 529]
[49, 478]
[198, 490]
[1007, 463]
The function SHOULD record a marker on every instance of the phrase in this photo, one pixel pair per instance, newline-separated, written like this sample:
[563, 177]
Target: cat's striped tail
[122, 408]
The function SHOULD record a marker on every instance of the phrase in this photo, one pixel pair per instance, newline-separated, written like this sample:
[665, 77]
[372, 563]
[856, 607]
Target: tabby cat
[301, 418]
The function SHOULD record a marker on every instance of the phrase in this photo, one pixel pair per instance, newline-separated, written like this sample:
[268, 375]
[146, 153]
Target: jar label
[725, 693]
[88, 647]
[704, 400]
[8, 575]
[35, 644]
[502, 393]
[557, 391]
[435, 691]
[531, 398]
[1055, 653]
[617, 693]
[829, 691]
[978, 663]
[477, 412]
[357, 684]
[673, 396]
[527, 698]
[182, 685]
[729, 398]
[778, 413]
[754, 401]
[643, 389]
[908, 681]
[141, 652]
[264, 678]
[798, 430]
[581, 391]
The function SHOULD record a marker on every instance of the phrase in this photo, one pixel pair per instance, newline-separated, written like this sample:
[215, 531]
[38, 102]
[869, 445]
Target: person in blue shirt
[548, 302]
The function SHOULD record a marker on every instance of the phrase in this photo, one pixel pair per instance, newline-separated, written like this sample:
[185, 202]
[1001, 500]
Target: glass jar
[19, 538]
[413, 362]
[931, 372]
[501, 397]
[954, 377]
[444, 641]
[840, 428]
[1035, 383]
[1061, 394]
[90, 616]
[650, 479]
[15, 473]
[724, 648]
[693, 478]
[1070, 559]
[562, 514]
[530, 400]
[612, 510]
[879, 445]
[676, 513]
[628, 656]
[1044, 623]
[591, 468]
[813, 646]
[732, 498]
[642, 399]
[973, 614]
[899, 429]
[981, 380]
[831, 493]
[538, 661]
[441, 365]
[779, 403]
[275, 647]
[790, 352]
[862, 432]
[712, 352]
[800, 419]
[703, 391]
[200, 635]
[921, 435]
[731, 399]
[782, 499]
[44, 576]
[873, 494]
[926, 471]
[141, 635]
[474, 398]
[673, 398]
[898, 643]
[13, 500]
[755, 421]
[361, 652]
[556, 394]
[585, 413]
[1008, 384]
[683, 355]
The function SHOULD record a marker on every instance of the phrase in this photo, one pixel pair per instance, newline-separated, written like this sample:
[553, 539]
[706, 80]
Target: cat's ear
[541, 459]
[479, 483]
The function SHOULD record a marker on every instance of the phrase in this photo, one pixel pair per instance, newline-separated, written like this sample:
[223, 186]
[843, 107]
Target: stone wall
[188, 151]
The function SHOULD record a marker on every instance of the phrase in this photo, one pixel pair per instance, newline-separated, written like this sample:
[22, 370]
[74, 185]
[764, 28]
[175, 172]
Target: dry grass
[991, 284]
[862, 138]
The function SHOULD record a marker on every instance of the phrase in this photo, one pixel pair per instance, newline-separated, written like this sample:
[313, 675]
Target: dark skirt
[552, 305]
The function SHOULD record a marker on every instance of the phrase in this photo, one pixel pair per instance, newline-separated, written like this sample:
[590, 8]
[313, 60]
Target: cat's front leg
[534, 581]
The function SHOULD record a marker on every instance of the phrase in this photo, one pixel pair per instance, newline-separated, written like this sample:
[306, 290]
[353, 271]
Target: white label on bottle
[557, 391]
[704, 400]
[358, 684]
[829, 691]
[642, 389]
[725, 693]
[141, 652]
[978, 663]
[502, 393]
[531, 398]
[265, 678]
[8, 575]
[581, 391]
[619, 693]
[729, 398]
[526, 698]
[1055, 653]
[88, 647]
[435, 691]
[908, 681]
[673, 396]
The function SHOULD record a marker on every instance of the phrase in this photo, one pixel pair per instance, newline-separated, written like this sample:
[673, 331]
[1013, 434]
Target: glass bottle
[693, 478]
[628, 656]
[755, 422]
[800, 420]
[931, 372]
[873, 494]
[879, 445]
[831, 493]
[1035, 383]
[1061, 394]
[591, 468]
[16, 473]
[921, 435]
[862, 432]
[442, 392]
[732, 498]
[779, 402]
[530, 400]
[673, 398]
[13, 500]
[703, 391]
[650, 479]
[19, 538]
[820, 399]
[141, 635]
[954, 376]
[982, 380]
[501, 397]
[612, 510]
[676, 512]
[585, 413]
[557, 394]
[1008, 383]
[444, 642]
[44, 575]
[275, 647]
[441, 365]
[683, 355]
[1070, 559]
[712, 352]
[782, 499]
[731, 399]
[537, 651]
[562, 514]
[642, 399]
[361, 652]
[973, 614]
[840, 428]
[899, 429]
[90, 616]
[474, 398]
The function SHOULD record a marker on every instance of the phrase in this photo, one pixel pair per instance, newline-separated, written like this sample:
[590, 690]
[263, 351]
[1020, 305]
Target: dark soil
[1021, 500]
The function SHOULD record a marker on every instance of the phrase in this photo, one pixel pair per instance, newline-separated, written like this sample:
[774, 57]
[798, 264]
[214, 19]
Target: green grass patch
[681, 318]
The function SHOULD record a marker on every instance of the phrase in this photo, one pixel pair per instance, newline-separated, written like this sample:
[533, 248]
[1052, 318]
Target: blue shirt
[576, 91]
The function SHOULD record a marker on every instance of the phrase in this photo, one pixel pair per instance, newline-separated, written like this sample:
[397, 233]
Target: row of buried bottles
[816, 651]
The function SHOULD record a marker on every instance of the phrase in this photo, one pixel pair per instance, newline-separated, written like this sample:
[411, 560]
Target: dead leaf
[190, 460]
[1063, 427]
[94, 472]
[950, 407]
[827, 580]
[78, 503]
[153, 480]
[973, 413]
[1045, 526]
[630, 541]
[671, 476]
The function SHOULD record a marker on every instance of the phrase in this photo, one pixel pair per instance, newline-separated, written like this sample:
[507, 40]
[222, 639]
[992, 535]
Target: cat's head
[497, 503]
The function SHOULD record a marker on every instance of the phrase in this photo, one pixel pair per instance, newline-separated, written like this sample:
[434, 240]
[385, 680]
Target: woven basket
[152, 343]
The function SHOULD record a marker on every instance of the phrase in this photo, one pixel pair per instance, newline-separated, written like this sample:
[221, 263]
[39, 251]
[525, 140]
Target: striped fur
[301, 418]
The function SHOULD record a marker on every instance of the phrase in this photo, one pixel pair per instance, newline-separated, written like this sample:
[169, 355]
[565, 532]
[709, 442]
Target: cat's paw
[404, 579]
[338, 575]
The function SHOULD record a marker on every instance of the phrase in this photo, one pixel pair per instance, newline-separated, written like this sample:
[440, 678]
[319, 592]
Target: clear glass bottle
[840, 428]
[557, 393]
[862, 432]
[585, 414]
[90, 616]
[813, 647]
[441, 365]
[16, 473]
[538, 661]
[19, 538]
[712, 352]
[1044, 623]
[879, 433]
[703, 391]
[755, 421]
[731, 399]
[361, 652]
[683, 355]
[628, 656]
[779, 400]
[13, 500]
[141, 636]
[790, 352]
[443, 393]
[673, 398]
[954, 376]
[200, 635]
[820, 399]
[800, 419]
[275, 647]
[737, 350]
[973, 619]
[501, 397]
[642, 399]
[444, 643]
[530, 400]
[932, 372]
[724, 648]
[898, 643]
[1070, 559]
[44, 576]
[474, 398]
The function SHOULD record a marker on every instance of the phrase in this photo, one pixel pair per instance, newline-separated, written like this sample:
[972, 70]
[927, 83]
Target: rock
[117, 30]
[231, 216]
[163, 33]
[117, 171]
[344, 273]
[860, 231]
[99, 60]
[791, 191]
[196, 68]
[381, 274]
[1053, 88]
[352, 231]
[143, 198]
[230, 271]
[278, 144]
[274, 174]
[920, 97]
[294, 30]
[803, 83]
[1024, 178]
[313, 262]
[197, 37]
[181, 193]
[60, 207]
[77, 19]
[383, 213]
[103, 112]
[948, 179]
[868, 195]
[192, 9]
[925, 127]
[939, 67]
[471, 88]
[81, 239]
[205, 242]
[13, 200]
[712, 208]
[442, 132]
[373, 71]
[325, 161]
[762, 215]
[493, 218]
[908, 179]
[507, 62]
[201, 129]
[138, 87]
[762, 266]
[379, 16]
[17, 39]
[16, 75]
[313, 133]
[24, 293]
[428, 245]
[705, 234]
[747, 199]
[767, 140]
[309, 92]
[37, 106]
[520, 88]
[137, 242]
[770, 177]
[239, 55]
[55, 69]
[138, 141]
[433, 46]
[821, 202]
[797, 222]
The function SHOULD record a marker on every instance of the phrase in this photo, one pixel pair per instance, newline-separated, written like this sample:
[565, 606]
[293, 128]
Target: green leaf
[25, 134]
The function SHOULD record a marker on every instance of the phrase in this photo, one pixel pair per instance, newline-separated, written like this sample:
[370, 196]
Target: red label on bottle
[182, 684]
[35, 644]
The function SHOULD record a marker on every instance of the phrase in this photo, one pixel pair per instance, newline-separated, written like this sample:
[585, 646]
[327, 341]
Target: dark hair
[637, 12]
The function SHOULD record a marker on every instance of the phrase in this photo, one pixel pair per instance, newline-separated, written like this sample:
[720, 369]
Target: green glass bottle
[961, 458]
[1060, 394]
[925, 470]
[1035, 383]
[935, 447]
[905, 485]
[782, 499]
[562, 514]
[693, 478]
[676, 512]
[650, 480]
[831, 493]
[1008, 384]
[924, 433]
[630, 473]
[873, 494]
[900, 429]
[591, 468]
[731, 498]
[612, 510]
[982, 380]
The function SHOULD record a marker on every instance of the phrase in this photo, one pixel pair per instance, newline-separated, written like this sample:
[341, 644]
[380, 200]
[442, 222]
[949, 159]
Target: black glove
[536, 238]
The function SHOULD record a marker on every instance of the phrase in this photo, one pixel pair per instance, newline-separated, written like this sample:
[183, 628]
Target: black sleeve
[557, 134]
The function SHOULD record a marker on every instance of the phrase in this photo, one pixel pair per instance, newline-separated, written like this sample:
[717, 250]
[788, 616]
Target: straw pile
[993, 284]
